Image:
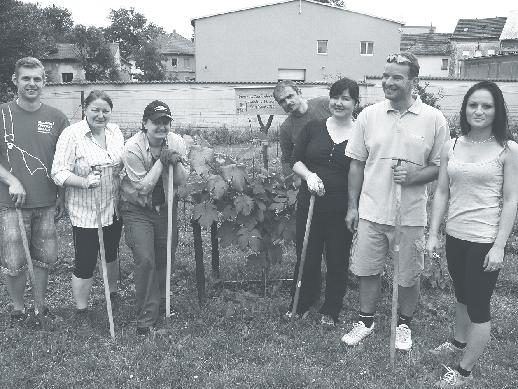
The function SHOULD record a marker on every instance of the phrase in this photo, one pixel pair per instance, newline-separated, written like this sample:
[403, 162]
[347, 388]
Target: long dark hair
[500, 125]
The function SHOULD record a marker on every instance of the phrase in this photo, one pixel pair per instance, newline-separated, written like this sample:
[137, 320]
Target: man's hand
[60, 207]
[17, 193]
[93, 180]
[170, 157]
[351, 219]
[401, 175]
[432, 244]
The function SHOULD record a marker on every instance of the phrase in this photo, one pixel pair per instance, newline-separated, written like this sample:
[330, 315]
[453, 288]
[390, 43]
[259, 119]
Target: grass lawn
[238, 338]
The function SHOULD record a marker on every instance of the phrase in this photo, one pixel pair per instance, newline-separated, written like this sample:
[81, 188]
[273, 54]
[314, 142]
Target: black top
[316, 149]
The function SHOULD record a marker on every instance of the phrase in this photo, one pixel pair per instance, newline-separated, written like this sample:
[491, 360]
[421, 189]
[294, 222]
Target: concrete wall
[431, 65]
[251, 45]
[214, 105]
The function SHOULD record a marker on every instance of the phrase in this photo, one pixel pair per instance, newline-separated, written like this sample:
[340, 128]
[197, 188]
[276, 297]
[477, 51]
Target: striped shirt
[137, 186]
[76, 152]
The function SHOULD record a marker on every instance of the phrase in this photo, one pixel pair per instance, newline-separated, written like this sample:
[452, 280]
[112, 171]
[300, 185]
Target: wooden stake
[395, 278]
[170, 204]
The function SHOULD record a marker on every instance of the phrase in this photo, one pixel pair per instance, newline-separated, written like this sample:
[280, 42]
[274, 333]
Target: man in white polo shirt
[401, 127]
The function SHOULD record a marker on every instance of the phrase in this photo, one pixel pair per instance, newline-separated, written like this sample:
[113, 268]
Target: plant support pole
[170, 201]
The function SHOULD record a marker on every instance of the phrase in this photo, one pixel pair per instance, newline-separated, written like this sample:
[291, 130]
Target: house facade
[475, 38]
[300, 40]
[433, 50]
[179, 63]
[64, 65]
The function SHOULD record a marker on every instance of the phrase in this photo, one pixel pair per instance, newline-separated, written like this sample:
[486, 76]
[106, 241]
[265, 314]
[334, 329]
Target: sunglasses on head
[398, 58]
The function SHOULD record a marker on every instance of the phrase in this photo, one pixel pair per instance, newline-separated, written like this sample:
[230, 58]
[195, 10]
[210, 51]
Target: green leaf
[206, 213]
[229, 212]
[258, 188]
[200, 158]
[292, 196]
[247, 153]
[275, 254]
[244, 204]
[236, 174]
[251, 239]
[218, 186]
[227, 233]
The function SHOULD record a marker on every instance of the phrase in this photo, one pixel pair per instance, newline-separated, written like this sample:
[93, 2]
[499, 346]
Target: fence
[212, 105]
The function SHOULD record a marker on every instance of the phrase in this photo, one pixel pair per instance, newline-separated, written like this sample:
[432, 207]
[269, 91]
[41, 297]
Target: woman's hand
[494, 259]
[93, 180]
[315, 184]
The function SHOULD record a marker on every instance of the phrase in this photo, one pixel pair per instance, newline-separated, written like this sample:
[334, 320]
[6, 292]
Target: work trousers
[146, 234]
[328, 229]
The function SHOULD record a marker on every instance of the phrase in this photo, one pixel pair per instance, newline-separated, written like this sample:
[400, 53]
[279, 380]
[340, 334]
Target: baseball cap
[157, 109]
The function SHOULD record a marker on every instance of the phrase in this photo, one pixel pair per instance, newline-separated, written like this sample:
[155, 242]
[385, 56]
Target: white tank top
[475, 204]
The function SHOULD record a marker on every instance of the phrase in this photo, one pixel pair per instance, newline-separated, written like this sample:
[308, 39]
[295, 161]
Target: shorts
[86, 244]
[373, 243]
[473, 286]
[41, 234]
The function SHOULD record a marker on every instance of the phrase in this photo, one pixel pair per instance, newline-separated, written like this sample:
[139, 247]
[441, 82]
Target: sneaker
[327, 321]
[403, 337]
[287, 315]
[453, 379]
[17, 318]
[446, 349]
[82, 323]
[357, 334]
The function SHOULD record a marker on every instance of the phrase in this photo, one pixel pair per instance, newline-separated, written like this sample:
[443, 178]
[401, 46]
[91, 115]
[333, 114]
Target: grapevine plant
[254, 211]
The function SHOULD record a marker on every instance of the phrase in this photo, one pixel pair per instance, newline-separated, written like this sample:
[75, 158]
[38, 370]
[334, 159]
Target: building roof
[488, 28]
[510, 30]
[426, 44]
[290, 1]
[174, 43]
[69, 51]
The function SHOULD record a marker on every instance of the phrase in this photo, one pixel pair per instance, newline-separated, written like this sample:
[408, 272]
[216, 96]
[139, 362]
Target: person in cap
[396, 142]
[147, 156]
[88, 164]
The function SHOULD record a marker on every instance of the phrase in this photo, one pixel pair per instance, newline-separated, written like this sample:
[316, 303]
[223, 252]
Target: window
[322, 47]
[187, 63]
[491, 52]
[366, 48]
[67, 77]
[292, 74]
[174, 62]
[444, 64]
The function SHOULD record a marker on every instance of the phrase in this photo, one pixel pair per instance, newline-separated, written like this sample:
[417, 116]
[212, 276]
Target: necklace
[480, 141]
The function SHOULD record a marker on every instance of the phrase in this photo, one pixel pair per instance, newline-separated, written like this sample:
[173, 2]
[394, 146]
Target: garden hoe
[170, 204]
[302, 258]
[103, 256]
[38, 298]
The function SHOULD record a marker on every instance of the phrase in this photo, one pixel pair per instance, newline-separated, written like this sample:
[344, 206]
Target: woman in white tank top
[478, 187]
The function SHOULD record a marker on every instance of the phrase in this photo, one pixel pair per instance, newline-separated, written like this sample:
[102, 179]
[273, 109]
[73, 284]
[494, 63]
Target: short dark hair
[345, 84]
[500, 126]
[283, 84]
[406, 58]
[28, 62]
[96, 95]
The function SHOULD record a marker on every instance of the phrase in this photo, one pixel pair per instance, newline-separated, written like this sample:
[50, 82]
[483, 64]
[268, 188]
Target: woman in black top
[323, 167]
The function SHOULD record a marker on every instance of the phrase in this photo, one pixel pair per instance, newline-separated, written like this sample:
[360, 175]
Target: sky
[177, 14]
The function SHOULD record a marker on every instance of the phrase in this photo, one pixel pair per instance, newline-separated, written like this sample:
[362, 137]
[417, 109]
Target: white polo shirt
[382, 135]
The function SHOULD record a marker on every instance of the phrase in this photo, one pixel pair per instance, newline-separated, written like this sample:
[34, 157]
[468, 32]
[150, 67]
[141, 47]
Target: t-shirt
[318, 109]
[27, 145]
[327, 159]
[382, 136]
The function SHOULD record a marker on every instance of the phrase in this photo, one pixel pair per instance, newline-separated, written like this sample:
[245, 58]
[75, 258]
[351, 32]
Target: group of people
[352, 168]
[47, 166]
[355, 168]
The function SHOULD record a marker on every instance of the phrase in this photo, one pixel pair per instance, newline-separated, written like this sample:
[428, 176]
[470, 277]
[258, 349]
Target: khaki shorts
[373, 242]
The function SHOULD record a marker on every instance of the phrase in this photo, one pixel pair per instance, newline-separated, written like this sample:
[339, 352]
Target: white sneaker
[357, 334]
[403, 337]
[287, 315]
[453, 379]
[445, 349]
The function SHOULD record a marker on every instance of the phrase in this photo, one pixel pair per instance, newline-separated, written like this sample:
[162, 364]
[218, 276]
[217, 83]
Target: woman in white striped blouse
[88, 162]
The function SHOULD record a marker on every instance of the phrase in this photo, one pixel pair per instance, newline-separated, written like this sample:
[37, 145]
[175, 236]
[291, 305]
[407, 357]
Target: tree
[24, 32]
[94, 53]
[149, 60]
[131, 30]
[59, 21]
[338, 3]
